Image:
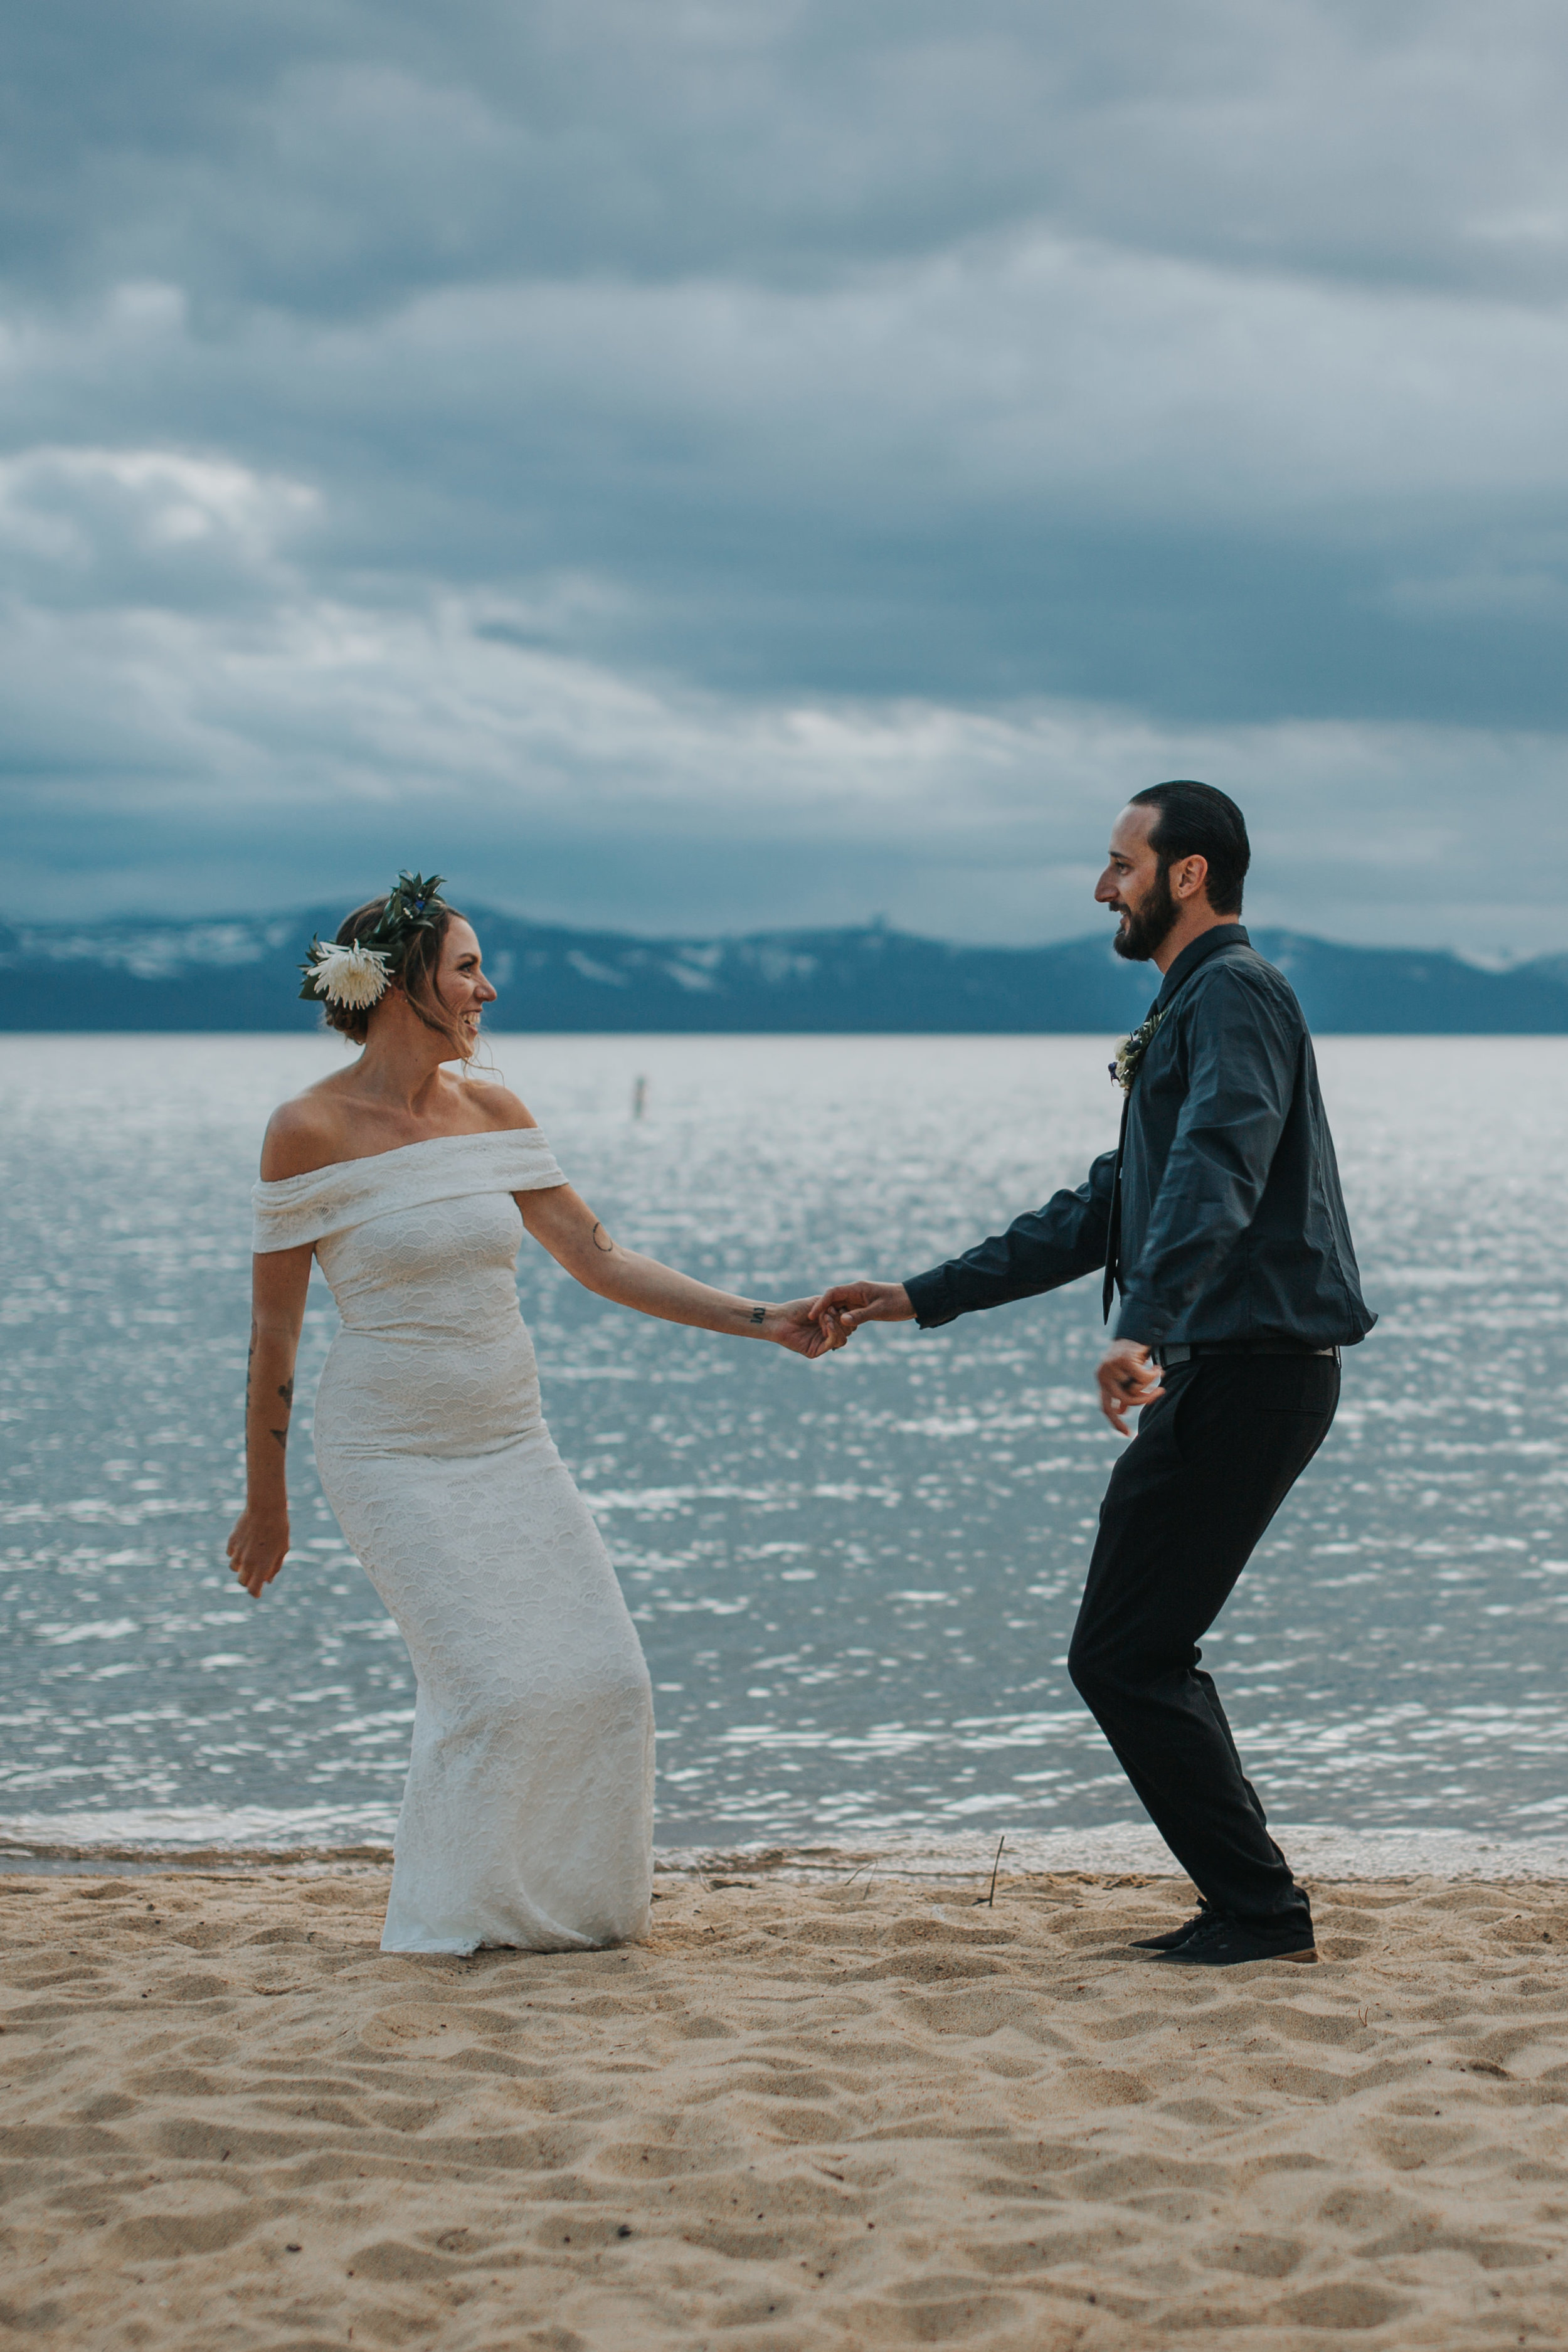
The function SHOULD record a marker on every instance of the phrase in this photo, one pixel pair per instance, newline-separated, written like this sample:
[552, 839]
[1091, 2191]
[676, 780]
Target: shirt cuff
[1141, 1321]
[930, 1297]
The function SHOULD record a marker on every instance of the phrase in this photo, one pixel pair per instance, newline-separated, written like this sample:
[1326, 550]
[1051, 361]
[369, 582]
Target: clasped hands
[1128, 1376]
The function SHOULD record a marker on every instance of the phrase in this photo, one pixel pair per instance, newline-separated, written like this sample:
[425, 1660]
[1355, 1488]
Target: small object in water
[640, 1097]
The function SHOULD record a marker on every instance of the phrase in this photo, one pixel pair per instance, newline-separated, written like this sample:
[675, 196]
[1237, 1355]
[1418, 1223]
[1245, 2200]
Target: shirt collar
[1208, 943]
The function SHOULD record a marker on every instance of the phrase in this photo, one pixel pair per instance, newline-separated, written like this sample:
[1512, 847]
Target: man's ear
[1191, 877]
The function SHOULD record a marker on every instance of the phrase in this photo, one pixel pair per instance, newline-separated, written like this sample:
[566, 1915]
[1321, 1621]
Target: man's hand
[795, 1327]
[1128, 1379]
[844, 1308]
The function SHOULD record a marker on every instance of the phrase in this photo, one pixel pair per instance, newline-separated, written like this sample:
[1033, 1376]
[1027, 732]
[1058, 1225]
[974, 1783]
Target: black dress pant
[1187, 1501]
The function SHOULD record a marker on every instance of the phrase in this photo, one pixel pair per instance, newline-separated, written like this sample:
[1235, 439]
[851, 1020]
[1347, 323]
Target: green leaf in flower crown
[309, 969]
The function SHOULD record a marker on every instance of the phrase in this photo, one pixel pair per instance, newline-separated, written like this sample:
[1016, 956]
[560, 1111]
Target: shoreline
[1316, 1851]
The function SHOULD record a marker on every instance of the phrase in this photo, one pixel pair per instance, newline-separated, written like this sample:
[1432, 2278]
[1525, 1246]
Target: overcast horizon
[694, 471]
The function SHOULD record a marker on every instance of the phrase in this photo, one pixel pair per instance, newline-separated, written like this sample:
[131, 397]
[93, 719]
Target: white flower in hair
[351, 976]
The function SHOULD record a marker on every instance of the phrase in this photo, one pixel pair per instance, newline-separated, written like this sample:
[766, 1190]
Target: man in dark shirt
[1219, 1220]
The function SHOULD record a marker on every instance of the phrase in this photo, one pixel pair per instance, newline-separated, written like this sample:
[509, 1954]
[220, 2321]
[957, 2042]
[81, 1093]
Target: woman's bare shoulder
[324, 1125]
[305, 1133]
[502, 1108]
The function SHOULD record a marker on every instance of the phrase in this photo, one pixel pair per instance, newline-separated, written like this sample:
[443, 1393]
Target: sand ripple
[799, 2117]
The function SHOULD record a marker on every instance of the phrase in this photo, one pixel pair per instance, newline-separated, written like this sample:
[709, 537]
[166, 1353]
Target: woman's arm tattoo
[284, 1390]
[600, 1239]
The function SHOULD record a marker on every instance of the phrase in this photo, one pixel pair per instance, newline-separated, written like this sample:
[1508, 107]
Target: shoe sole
[1300, 1960]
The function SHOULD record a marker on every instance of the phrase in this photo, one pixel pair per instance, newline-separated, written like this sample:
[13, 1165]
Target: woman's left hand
[792, 1326]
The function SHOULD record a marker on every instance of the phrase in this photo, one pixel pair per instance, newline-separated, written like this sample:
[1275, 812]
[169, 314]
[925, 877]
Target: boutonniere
[1130, 1052]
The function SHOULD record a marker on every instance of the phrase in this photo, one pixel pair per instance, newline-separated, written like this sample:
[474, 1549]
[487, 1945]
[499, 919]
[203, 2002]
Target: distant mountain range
[241, 973]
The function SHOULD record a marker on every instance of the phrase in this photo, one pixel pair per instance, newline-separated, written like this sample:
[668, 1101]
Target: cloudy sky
[715, 464]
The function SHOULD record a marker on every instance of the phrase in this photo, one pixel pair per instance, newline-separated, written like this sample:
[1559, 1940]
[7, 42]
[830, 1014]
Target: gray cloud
[770, 463]
[345, 155]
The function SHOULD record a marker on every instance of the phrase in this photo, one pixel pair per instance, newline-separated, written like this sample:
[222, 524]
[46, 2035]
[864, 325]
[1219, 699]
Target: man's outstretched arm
[1039, 1252]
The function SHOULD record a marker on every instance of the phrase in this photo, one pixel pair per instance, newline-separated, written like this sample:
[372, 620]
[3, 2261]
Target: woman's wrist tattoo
[758, 1315]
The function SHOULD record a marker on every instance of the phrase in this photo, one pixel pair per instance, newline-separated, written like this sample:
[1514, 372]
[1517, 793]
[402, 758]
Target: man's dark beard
[1147, 929]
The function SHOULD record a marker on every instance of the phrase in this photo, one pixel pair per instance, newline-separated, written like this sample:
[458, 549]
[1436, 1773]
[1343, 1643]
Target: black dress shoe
[1177, 1936]
[1231, 1943]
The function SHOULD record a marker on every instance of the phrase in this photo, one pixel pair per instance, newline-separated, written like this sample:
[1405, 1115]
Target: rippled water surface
[855, 1582]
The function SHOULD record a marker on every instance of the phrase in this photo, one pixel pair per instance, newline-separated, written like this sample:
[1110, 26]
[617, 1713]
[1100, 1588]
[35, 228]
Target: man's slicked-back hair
[1196, 821]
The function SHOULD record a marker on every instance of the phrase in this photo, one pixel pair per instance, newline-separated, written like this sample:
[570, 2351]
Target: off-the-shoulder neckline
[364, 1159]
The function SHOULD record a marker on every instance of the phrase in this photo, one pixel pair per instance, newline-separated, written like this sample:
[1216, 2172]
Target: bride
[527, 1817]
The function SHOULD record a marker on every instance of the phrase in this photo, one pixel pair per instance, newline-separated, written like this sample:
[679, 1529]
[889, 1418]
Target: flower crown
[358, 975]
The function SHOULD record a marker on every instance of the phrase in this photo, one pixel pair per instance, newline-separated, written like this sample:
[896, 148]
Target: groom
[1219, 1220]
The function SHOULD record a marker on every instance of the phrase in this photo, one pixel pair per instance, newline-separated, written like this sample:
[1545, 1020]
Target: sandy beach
[840, 2113]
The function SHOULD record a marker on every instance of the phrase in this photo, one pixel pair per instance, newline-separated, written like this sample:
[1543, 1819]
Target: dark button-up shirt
[1231, 1225]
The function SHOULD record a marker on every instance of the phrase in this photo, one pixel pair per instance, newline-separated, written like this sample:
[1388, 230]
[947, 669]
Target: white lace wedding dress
[528, 1813]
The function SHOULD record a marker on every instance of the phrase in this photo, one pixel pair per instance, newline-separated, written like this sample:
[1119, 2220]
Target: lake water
[855, 1582]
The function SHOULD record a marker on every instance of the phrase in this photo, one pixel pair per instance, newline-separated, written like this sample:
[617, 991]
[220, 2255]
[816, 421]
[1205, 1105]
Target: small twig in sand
[989, 1899]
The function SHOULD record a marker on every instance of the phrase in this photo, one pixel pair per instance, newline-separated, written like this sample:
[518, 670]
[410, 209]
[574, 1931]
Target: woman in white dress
[528, 1813]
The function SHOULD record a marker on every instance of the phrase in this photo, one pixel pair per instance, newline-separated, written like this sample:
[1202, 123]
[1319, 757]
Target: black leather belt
[1168, 1356]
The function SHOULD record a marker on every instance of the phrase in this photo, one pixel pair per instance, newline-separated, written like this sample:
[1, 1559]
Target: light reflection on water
[855, 1582]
